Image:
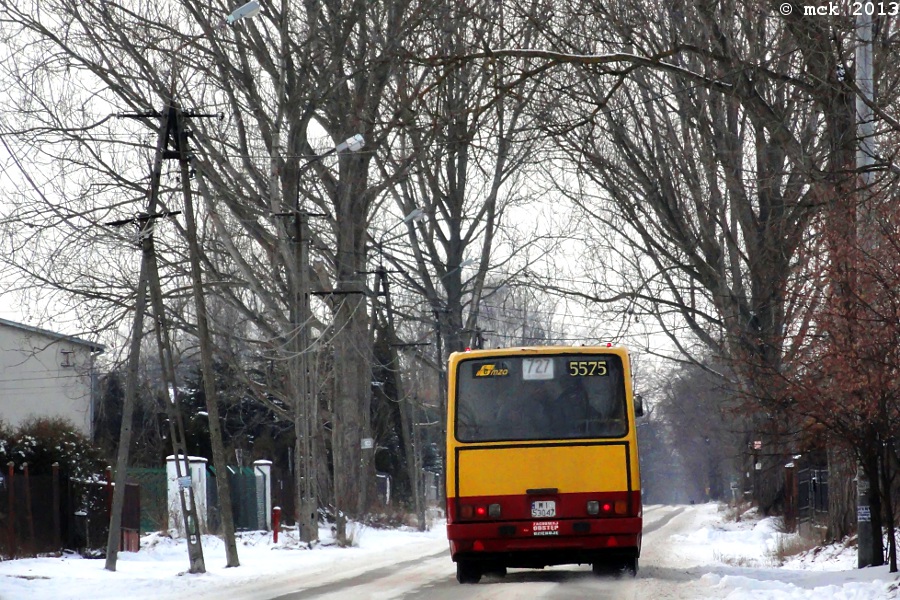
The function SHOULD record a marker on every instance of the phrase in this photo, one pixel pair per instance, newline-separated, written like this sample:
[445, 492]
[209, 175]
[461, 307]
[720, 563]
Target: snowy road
[431, 575]
[689, 553]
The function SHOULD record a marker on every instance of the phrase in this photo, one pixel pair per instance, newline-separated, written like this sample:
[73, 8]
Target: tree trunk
[886, 477]
[351, 376]
[871, 470]
[841, 494]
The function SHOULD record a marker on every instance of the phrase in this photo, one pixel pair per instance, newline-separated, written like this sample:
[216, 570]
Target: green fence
[247, 500]
[154, 500]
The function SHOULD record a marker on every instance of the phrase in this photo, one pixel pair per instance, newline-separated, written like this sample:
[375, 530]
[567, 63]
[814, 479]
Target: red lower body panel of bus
[570, 537]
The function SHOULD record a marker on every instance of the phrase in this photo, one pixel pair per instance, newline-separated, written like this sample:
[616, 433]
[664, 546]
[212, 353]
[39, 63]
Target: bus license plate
[543, 508]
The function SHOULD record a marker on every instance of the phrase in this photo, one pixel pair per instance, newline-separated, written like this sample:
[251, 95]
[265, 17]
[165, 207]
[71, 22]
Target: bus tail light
[606, 508]
[469, 511]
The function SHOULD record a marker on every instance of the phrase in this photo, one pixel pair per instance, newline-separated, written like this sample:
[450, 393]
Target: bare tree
[282, 82]
[702, 142]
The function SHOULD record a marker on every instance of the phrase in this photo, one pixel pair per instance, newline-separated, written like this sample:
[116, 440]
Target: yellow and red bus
[542, 460]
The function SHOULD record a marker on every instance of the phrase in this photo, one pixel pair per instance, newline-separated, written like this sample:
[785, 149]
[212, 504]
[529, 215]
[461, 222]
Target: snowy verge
[159, 570]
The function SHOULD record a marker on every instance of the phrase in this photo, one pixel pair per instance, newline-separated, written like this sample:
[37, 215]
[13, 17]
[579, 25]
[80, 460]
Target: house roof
[53, 335]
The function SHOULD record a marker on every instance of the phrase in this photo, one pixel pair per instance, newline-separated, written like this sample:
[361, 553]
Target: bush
[6, 446]
[44, 441]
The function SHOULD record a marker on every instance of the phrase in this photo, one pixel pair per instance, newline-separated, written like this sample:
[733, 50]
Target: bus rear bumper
[518, 544]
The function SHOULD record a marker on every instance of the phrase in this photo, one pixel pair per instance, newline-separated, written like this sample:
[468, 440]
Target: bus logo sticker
[545, 527]
[492, 370]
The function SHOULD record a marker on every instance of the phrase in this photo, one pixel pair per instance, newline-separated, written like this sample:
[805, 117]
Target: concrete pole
[864, 159]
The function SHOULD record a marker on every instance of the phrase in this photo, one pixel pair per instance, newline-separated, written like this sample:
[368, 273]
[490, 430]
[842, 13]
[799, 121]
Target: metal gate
[245, 504]
[812, 494]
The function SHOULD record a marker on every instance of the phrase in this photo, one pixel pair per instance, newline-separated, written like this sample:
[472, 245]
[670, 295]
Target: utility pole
[148, 258]
[207, 362]
[305, 404]
[170, 134]
[865, 128]
[305, 409]
[407, 408]
[131, 379]
[442, 384]
[150, 280]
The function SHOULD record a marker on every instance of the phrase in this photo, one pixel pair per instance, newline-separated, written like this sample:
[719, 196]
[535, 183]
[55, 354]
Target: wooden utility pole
[207, 362]
[131, 379]
[145, 232]
[150, 282]
[170, 123]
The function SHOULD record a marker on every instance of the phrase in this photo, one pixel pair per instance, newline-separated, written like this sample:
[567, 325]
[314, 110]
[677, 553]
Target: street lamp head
[353, 144]
[416, 214]
[463, 263]
[250, 9]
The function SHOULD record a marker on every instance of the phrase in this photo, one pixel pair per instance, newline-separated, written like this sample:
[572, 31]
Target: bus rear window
[548, 397]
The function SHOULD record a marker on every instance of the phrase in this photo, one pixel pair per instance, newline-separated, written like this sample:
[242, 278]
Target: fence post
[790, 497]
[57, 528]
[109, 493]
[276, 522]
[11, 512]
[29, 517]
[263, 470]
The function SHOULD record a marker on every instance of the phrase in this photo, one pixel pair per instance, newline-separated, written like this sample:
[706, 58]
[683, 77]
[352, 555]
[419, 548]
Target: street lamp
[416, 214]
[407, 408]
[353, 144]
[251, 9]
[463, 263]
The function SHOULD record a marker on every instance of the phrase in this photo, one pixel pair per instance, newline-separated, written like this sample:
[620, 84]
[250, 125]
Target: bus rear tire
[626, 567]
[629, 567]
[467, 572]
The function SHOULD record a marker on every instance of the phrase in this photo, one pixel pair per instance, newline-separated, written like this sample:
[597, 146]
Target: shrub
[44, 441]
[6, 445]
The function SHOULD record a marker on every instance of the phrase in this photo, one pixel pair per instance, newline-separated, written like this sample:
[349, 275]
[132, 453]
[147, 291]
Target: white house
[46, 374]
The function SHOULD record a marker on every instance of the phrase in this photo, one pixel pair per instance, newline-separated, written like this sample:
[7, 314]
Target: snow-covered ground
[733, 560]
[745, 560]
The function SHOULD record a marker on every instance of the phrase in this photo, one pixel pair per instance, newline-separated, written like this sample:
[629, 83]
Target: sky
[726, 559]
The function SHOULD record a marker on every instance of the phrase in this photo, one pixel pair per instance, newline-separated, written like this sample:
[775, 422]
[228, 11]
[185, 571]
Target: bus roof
[610, 348]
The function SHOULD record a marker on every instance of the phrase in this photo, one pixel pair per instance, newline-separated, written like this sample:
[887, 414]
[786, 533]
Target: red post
[276, 522]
